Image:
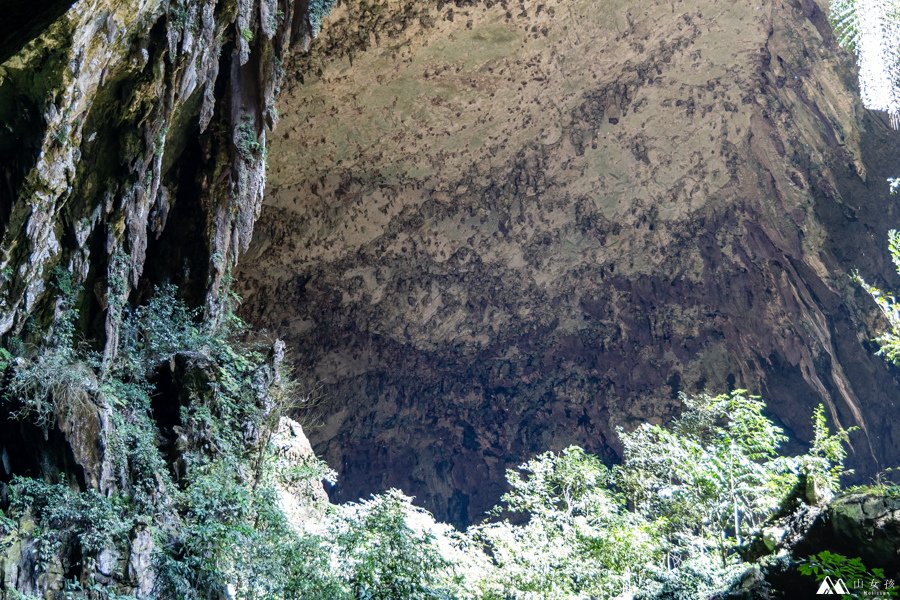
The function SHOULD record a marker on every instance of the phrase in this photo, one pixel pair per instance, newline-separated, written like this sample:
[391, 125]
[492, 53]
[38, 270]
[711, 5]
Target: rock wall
[862, 523]
[133, 139]
[133, 150]
[496, 228]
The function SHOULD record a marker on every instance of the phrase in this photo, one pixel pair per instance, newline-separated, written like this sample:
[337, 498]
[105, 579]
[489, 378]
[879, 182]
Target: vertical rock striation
[133, 149]
[133, 139]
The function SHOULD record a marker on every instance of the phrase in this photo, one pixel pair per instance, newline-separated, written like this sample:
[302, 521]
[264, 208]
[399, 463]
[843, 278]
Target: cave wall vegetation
[133, 150]
[103, 111]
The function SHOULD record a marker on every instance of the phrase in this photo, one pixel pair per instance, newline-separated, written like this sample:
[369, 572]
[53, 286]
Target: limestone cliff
[496, 228]
[133, 140]
[133, 149]
[859, 522]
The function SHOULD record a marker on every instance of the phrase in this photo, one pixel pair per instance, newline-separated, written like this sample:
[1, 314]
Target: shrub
[714, 473]
[388, 549]
[155, 331]
[824, 463]
[62, 515]
[58, 379]
[233, 535]
[578, 539]
[50, 384]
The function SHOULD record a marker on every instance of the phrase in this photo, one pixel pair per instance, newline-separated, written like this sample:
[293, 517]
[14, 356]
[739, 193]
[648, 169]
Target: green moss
[248, 144]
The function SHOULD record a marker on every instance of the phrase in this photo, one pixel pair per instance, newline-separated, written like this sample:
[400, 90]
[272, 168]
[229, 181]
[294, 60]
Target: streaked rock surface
[498, 228]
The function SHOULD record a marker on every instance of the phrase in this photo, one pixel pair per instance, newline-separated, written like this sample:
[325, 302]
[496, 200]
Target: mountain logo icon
[832, 586]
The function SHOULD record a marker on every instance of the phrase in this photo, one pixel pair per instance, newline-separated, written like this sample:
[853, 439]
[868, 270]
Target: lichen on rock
[118, 94]
[133, 150]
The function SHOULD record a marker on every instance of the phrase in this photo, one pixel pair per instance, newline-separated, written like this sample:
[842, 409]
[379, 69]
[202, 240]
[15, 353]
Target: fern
[844, 17]
[870, 29]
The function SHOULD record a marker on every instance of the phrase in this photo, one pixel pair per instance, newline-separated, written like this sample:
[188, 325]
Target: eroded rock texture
[132, 154]
[504, 227]
[864, 522]
[133, 150]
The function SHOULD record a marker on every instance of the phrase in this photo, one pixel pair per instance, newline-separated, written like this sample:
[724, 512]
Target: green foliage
[870, 30]
[824, 463]
[133, 445]
[578, 538]
[890, 490]
[844, 16]
[93, 521]
[58, 379]
[234, 535]
[247, 142]
[883, 484]
[117, 282]
[889, 342]
[155, 331]
[665, 523]
[6, 359]
[697, 575]
[178, 14]
[219, 525]
[16, 595]
[310, 468]
[713, 474]
[75, 589]
[215, 534]
[851, 571]
[54, 382]
[385, 556]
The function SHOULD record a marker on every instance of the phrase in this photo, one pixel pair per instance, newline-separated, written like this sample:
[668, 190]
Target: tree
[577, 540]
[713, 474]
[389, 549]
